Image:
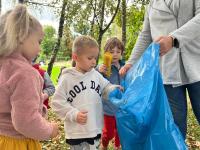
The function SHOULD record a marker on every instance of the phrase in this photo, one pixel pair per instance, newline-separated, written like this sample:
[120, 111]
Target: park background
[63, 20]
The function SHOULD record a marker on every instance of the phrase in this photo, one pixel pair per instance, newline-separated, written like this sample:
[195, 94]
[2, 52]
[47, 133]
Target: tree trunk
[60, 33]
[101, 30]
[100, 38]
[94, 16]
[92, 26]
[0, 6]
[124, 24]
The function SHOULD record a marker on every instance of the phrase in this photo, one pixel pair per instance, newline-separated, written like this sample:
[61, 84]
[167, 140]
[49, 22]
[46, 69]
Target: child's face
[116, 54]
[86, 60]
[30, 47]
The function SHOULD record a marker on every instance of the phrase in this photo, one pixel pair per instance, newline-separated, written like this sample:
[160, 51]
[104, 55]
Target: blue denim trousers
[178, 102]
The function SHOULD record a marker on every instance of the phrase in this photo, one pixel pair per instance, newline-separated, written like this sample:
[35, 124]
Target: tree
[124, 22]
[60, 33]
[77, 16]
[134, 26]
[134, 22]
[66, 44]
[102, 28]
[94, 6]
[48, 41]
[0, 6]
[95, 17]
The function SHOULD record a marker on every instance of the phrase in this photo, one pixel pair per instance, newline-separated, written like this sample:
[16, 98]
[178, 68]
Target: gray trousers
[86, 146]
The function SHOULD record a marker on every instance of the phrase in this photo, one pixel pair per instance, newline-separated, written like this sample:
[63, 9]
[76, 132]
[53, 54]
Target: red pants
[110, 131]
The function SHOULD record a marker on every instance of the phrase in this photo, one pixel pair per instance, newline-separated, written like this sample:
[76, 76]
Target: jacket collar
[18, 56]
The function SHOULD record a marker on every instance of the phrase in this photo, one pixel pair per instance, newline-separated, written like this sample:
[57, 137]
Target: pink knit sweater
[21, 100]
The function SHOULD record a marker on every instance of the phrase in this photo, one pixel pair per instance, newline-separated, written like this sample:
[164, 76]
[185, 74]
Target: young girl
[48, 87]
[77, 99]
[21, 121]
[116, 48]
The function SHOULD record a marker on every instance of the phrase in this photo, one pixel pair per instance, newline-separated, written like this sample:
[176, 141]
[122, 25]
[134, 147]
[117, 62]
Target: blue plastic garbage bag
[144, 118]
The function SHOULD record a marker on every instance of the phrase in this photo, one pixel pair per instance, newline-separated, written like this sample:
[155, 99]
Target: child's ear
[74, 56]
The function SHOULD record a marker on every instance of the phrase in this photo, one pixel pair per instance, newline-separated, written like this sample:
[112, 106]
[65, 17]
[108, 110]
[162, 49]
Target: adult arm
[49, 87]
[190, 30]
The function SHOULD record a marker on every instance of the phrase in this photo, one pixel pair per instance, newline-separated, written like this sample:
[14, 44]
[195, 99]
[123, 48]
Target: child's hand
[102, 69]
[116, 93]
[115, 96]
[45, 96]
[124, 69]
[55, 131]
[120, 88]
[82, 117]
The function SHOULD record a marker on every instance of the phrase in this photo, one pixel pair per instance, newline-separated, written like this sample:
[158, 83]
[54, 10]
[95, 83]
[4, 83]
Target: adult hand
[124, 69]
[82, 117]
[166, 44]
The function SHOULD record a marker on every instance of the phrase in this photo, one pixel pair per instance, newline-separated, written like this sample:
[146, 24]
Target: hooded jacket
[181, 20]
[81, 92]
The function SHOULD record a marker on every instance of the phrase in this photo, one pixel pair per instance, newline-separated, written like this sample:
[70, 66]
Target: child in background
[116, 48]
[21, 100]
[77, 99]
[48, 87]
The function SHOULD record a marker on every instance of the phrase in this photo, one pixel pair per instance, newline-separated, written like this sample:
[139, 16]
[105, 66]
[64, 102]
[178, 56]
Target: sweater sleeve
[61, 104]
[190, 30]
[49, 87]
[107, 87]
[25, 113]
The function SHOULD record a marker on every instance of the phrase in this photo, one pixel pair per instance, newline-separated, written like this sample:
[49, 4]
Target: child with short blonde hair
[77, 99]
[116, 48]
[21, 100]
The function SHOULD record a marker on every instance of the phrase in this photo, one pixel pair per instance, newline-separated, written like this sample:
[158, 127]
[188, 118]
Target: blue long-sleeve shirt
[108, 108]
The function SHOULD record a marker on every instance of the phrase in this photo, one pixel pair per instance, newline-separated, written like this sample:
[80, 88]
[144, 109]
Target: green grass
[56, 70]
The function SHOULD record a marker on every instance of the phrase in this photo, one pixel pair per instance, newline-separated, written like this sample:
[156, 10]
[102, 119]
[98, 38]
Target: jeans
[178, 103]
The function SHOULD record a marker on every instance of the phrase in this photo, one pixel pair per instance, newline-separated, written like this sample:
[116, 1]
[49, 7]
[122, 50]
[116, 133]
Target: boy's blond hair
[82, 42]
[15, 26]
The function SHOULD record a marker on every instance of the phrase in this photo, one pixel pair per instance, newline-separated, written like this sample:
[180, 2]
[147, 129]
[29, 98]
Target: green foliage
[48, 41]
[84, 14]
[66, 45]
[81, 23]
[134, 26]
[135, 17]
[83, 17]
